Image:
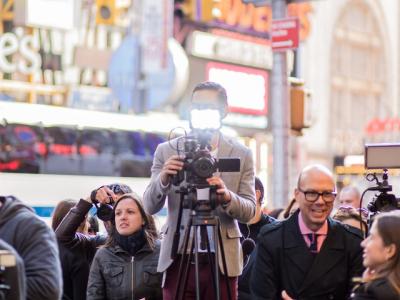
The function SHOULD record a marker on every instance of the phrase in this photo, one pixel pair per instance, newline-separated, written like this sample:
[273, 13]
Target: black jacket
[379, 289]
[67, 236]
[36, 244]
[250, 231]
[283, 262]
[117, 275]
[75, 270]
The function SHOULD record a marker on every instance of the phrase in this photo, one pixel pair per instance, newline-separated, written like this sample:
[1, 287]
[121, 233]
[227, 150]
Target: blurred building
[350, 62]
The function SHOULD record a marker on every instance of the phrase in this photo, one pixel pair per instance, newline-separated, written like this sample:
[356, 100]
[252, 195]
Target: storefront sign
[246, 17]
[215, 47]
[250, 96]
[29, 60]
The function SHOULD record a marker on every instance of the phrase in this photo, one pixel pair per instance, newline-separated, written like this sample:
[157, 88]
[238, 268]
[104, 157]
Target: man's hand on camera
[170, 168]
[222, 191]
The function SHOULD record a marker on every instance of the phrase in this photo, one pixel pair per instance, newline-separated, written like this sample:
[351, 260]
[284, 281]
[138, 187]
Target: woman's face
[128, 219]
[375, 252]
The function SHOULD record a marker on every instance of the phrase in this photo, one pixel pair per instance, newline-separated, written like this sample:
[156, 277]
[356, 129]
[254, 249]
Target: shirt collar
[305, 230]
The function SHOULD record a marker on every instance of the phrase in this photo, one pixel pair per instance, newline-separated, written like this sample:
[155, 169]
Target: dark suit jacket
[283, 262]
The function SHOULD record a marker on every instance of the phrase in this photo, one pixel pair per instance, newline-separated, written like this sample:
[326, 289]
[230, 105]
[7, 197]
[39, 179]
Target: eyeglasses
[312, 196]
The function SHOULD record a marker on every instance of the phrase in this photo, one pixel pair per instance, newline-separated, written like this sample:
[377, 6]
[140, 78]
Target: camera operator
[35, 243]
[234, 190]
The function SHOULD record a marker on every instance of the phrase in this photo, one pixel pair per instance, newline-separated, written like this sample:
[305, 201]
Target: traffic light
[300, 106]
[105, 12]
[194, 10]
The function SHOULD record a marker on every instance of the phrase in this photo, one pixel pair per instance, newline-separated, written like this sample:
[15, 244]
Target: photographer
[235, 191]
[381, 279]
[66, 232]
[35, 243]
[126, 267]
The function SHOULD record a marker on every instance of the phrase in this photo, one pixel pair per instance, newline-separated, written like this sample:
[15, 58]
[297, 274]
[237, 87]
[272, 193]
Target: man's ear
[223, 111]
[258, 195]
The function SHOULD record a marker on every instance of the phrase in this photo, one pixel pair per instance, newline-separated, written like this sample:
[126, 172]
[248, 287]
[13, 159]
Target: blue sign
[123, 74]
[159, 85]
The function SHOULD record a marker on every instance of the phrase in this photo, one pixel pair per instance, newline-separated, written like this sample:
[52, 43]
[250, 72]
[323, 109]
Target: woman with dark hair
[381, 279]
[75, 268]
[126, 267]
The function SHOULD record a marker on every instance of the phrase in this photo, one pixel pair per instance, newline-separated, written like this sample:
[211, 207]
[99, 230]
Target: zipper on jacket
[133, 276]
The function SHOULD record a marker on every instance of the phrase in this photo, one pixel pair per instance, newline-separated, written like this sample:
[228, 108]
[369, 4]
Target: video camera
[199, 163]
[9, 276]
[382, 156]
[104, 211]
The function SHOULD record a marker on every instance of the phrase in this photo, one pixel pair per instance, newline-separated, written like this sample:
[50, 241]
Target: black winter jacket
[379, 289]
[115, 274]
[67, 236]
[36, 244]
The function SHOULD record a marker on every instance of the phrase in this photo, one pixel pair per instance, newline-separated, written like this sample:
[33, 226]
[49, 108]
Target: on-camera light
[205, 119]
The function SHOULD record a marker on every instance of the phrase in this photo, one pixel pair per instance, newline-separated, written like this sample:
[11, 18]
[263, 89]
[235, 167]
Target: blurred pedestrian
[352, 217]
[75, 267]
[349, 196]
[36, 244]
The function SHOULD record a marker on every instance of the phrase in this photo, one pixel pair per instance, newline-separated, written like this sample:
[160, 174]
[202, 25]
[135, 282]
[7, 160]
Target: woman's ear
[390, 251]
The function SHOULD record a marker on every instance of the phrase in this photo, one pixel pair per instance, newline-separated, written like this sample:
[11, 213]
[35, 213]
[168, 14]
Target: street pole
[280, 118]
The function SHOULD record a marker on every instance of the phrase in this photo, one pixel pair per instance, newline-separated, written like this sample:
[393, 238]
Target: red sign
[251, 100]
[285, 34]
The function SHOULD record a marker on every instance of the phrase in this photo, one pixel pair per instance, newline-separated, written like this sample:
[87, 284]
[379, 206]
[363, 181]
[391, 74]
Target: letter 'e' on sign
[285, 34]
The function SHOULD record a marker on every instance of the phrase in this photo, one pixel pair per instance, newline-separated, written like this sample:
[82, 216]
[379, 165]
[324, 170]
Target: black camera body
[200, 164]
[105, 211]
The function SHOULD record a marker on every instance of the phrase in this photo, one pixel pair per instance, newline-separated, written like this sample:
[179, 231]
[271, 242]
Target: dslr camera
[104, 211]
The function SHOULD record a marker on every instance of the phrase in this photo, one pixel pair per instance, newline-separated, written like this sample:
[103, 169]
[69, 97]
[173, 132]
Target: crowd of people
[313, 249]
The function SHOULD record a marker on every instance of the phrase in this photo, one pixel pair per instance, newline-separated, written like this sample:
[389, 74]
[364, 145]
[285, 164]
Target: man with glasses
[309, 255]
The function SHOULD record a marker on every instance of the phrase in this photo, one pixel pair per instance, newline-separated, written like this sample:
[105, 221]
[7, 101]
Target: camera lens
[104, 212]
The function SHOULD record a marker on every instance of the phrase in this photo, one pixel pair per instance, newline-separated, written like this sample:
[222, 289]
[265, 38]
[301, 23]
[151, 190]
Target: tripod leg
[216, 266]
[218, 229]
[182, 262]
[196, 262]
[211, 260]
[186, 276]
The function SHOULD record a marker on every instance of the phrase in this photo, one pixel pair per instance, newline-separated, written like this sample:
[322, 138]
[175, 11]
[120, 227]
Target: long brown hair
[61, 211]
[388, 225]
[150, 229]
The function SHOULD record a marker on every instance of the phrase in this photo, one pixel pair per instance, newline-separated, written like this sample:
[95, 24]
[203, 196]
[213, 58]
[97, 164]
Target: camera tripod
[200, 219]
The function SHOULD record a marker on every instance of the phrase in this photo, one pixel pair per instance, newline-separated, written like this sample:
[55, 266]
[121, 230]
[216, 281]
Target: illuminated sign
[29, 60]
[234, 14]
[46, 13]
[248, 97]
[216, 47]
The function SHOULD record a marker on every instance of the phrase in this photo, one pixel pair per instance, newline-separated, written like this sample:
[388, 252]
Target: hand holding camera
[104, 198]
[171, 168]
